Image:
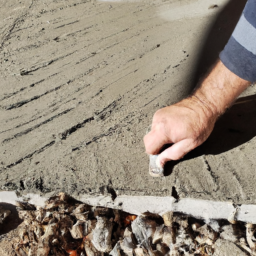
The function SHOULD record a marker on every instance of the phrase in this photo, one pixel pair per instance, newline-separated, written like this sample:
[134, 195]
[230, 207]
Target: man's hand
[188, 123]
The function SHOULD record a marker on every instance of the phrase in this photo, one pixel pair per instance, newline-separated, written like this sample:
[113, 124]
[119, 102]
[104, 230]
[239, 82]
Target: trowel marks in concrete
[80, 82]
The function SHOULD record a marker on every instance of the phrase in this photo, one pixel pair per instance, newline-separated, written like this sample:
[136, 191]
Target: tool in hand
[155, 169]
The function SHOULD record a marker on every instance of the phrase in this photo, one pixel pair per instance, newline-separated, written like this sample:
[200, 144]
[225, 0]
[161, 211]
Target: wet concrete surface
[81, 80]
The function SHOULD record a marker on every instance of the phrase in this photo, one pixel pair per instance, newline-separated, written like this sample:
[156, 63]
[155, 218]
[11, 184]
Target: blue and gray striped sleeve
[239, 54]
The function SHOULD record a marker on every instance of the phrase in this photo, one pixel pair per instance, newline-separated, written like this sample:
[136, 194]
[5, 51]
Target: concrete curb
[203, 209]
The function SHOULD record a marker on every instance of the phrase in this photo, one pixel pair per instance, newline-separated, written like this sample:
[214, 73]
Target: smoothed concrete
[81, 80]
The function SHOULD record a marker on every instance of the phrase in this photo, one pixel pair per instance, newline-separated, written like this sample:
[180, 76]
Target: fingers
[154, 141]
[176, 151]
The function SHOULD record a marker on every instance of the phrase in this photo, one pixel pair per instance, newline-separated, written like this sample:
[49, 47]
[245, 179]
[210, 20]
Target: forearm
[219, 90]
[188, 123]
[236, 67]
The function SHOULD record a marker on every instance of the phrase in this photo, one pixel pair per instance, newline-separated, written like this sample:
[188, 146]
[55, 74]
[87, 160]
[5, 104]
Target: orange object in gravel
[72, 252]
[129, 219]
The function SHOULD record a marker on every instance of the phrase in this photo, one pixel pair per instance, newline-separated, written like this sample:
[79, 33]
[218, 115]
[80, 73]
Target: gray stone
[227, 248]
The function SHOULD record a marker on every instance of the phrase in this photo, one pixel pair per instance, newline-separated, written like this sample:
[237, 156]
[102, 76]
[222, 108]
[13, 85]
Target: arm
[188, 123]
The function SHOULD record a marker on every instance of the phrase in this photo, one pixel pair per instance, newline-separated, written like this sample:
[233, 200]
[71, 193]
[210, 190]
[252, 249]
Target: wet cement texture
[81, 80]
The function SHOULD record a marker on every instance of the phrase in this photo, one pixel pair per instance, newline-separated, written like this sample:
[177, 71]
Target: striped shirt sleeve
[239, 54]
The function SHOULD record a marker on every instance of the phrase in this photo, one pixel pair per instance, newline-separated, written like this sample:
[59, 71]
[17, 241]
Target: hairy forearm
[219, 90]
[188, 123]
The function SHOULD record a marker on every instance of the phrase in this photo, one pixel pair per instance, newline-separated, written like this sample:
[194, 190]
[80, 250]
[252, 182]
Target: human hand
[186, 125]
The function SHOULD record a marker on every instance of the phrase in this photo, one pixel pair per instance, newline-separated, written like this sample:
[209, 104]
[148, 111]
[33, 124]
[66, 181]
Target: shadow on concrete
[217, 37]
[12, 221]
[233, 129]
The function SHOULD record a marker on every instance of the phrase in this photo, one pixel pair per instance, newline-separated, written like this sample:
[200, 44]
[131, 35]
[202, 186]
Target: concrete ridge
[203, 209]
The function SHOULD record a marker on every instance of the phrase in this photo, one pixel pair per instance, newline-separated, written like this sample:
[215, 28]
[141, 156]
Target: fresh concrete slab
[81, 80]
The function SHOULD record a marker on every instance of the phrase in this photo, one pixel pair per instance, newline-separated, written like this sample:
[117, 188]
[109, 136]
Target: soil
[81, 80]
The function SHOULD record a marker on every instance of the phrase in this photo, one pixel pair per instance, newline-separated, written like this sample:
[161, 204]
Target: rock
[3, 214]
[228, 233]
[102, 235]
[77, 230]
[143, 228]
[227, 248]
[116, 251]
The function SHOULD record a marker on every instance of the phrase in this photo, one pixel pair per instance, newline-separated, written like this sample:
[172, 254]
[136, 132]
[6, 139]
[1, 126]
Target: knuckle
[157, 115]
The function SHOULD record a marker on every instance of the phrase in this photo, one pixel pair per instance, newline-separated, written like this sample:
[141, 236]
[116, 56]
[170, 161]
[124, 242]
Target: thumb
[176, 151]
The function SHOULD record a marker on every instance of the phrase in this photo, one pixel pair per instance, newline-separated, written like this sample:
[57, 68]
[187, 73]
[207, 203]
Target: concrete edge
[203, 209]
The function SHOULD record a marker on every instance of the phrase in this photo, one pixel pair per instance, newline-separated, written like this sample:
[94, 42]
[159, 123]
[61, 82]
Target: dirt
[81, 80]
[9, 231]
